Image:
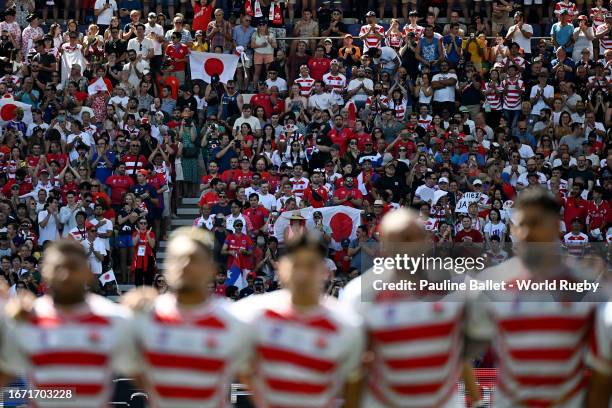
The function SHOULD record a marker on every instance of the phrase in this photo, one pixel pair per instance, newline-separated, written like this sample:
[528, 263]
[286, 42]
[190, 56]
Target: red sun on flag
[7, 112]
[213, 66]
[341, 226]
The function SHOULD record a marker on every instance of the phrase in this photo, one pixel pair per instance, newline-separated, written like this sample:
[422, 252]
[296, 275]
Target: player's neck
[303, 300]
[68, 303]
[191, 298]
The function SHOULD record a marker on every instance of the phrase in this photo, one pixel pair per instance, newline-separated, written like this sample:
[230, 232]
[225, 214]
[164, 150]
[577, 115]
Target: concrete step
[181, 222]
[188, 211]
[191, 200]
[162, 244]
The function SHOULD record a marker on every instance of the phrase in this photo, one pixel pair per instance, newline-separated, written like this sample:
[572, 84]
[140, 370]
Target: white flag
[205, 64]
[107, 277]
[96, 86]
[342, 220]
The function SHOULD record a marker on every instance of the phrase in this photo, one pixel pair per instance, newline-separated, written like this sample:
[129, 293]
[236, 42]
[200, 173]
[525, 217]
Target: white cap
[477, 181]
[443, 180]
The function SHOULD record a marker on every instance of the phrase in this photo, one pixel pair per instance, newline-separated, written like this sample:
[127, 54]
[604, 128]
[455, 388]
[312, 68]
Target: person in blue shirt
[103, 160]
[452, 45]
[562, 32]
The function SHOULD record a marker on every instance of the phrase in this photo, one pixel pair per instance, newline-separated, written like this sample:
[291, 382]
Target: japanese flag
[205, 64]
[107, 277]
[342, 220]
[8, 105]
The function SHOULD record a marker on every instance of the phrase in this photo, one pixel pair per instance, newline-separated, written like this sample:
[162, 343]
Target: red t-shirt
[202, 15]
[469, 236]
[321, 191]
[176, 52]
[318, 67]
[574, 208]
[344, 192]
[262, 100]
[257, 216]
[119, 186]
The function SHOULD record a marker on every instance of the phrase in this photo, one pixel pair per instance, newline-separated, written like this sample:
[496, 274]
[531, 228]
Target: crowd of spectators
[451, 110]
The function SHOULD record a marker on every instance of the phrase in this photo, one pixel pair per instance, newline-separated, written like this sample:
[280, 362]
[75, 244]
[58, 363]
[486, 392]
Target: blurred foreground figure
[70, 341]
[190, 344]
[305, 345]
[416, 337]
[540, 337]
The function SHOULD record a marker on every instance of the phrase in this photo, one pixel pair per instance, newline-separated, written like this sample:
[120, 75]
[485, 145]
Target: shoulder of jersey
[105, 307]
[248, 308]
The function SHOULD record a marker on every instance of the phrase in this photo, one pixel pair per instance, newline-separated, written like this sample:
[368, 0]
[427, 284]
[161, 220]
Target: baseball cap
[379, 202]
[152, 15]
[370, 14]
[334, 61]
[329, 40]
[348, 36]
[477, 182]
[443, 180]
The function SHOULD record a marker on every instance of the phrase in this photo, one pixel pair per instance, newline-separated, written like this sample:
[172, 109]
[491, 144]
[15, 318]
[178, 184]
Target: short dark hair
[305, 241]
[540, 198]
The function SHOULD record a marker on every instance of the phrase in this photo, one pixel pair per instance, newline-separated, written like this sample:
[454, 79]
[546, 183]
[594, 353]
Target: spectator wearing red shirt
[339, 134]
[134, 160]
[316, 193]
[202, 15]
[262, 98]
[119, 184]
[257, 213]
[468, 234]
[574, 206]
[243, 176]
[215, 194]
[404, 139]
[213, 172]
[319, 65]
[177, 53]
[361, 135]
[342, 258]
[238, 247]
[599, 215]
[348, 194]
[35, 155]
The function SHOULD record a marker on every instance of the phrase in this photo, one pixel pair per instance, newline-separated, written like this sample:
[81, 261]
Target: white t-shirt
[143, 51]
[360, 96]
[387, 58]
[446, 94]
[519, 38]
[425, 193]
[548, 92]
[98, 246]
[108, 226]
[156, 29]
[104, 18]
[321, 101]
[49, 232]
[280, 83]
[251, 120]
[85, 138]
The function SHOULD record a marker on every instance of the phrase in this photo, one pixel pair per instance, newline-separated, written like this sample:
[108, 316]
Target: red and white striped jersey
[394, 40]
[416, 29]
[78, 350]
[575, 243]
[384, 103]
[336, 82]
[301, 358]
[569, 6]
[518, 61]
[598, 15]
[605, 43]
[306, 85]
[514, 91]
[424, 122]
[540, 345]
[398, 107]
[190, 355]
[299, 185]
[372, 41]
[599, 356]
[417, 349]
[494, 99]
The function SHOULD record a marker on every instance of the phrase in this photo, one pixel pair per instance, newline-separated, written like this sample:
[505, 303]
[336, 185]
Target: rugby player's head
[65, 268]
[190, 263]
[536, 217]
[302, 270]
[402, 231]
